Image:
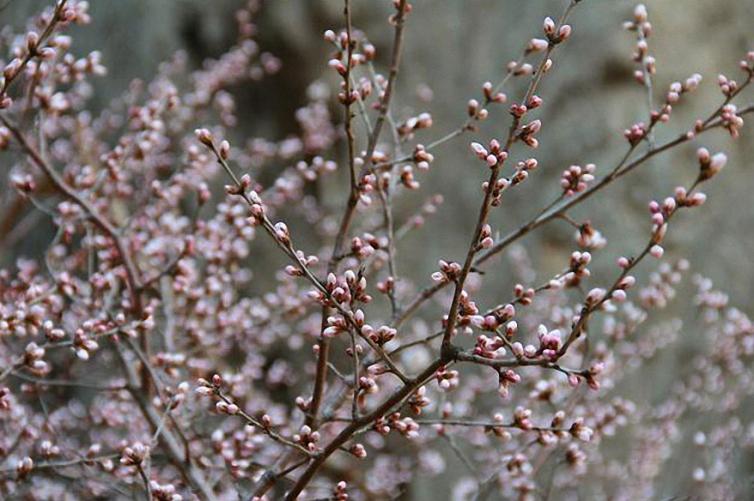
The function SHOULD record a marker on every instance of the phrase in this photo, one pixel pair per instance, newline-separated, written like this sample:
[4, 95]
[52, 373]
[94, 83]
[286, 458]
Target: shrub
[141, 356]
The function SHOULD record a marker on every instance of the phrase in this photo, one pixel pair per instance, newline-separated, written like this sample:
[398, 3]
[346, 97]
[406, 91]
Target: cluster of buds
[418, 400]
[209, 388]
[576, 179]
[550, 342]
[405, 426]
[381, 426]
[710, 165]
[476, 111]
[577, 269]
[48, 450]
[660, 215]
[364, 246]
[580, 431]
[403, 9]
[731, 120]
[307, 438]
[679, 88]
[351, 288]
[447, 379]
[24, 467]
[485, 237]
[256, 210]
[449, 272]
[386, 286]
[640, 21]
[179, 394]
[282, 234]
[518, 69]
[489, 347]
[497, 189]
[524, 295]
[339, 491]
[555, 34]
[33, 355]
[683, 199]
[306, 261]
[358, 451]
[522, 418]
[495, 155]
[575, 457]
[341, 42]
[407, 178]
[83, 344]
[368, 385]
[588, 237]
[336, 325]
[491, 95]
[595, 369]
[619, 292]
[134, 454]
[407, 128]
[357, 288]
[523, 168]
[381, 336]
[528, 131]
[467, 312]
[340, 63]
[164, 492]
[72, 70]
[505, 313]
[227, 407]
[728, 86]
[518, 465]
[364, 86]
[488, 323]
[422, 158]
[506, 378]
[499, 431]
[636, 133]
[52, 333]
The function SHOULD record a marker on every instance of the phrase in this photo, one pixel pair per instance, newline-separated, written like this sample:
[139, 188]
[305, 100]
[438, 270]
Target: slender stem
[323, 353]
[484, 211]
[407, 389]
[647, 81]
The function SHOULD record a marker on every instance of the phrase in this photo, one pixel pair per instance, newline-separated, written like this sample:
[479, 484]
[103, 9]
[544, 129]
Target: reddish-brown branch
[484, 211]
[353, 198]
[345, 435]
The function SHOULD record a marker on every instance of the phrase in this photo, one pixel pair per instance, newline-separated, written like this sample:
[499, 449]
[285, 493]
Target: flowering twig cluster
[138, 355]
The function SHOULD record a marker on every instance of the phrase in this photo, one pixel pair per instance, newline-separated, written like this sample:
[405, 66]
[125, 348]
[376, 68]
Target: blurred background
[451, 48]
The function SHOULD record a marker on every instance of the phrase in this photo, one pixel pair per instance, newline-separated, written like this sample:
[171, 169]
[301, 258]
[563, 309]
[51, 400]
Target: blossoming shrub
[141, 356]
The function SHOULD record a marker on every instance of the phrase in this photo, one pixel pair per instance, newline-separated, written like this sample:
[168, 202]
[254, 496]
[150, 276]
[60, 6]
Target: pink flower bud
[656, 251]
[204, 136]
